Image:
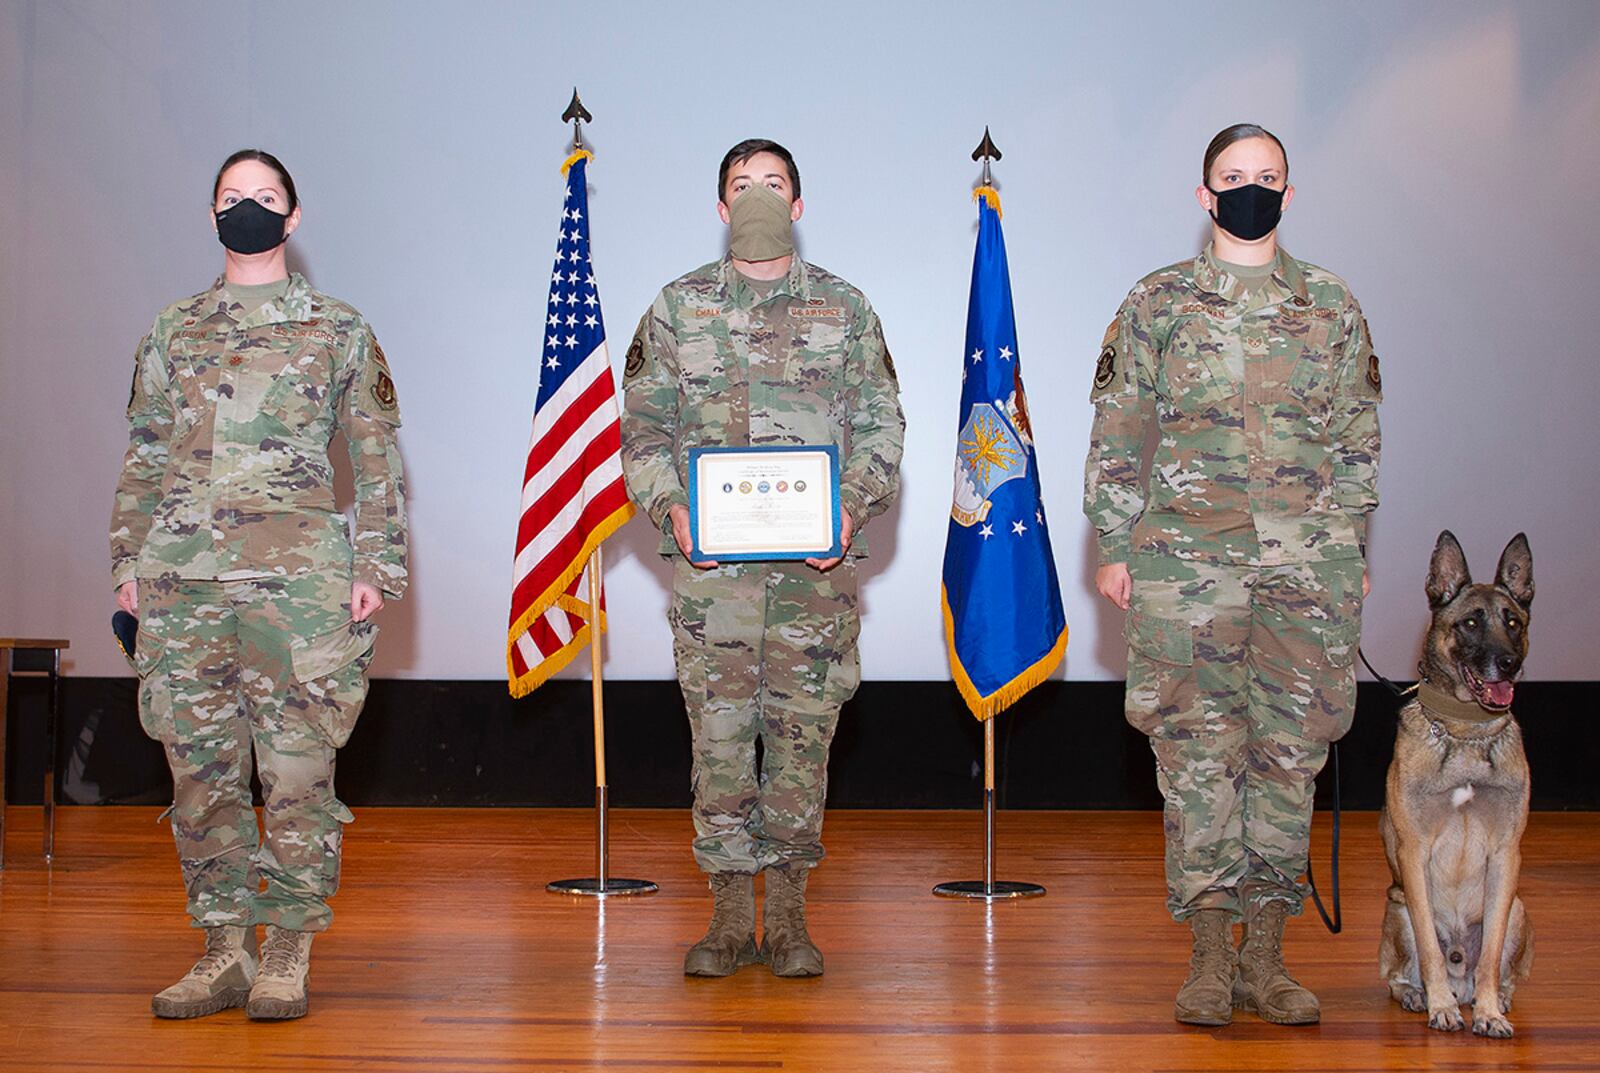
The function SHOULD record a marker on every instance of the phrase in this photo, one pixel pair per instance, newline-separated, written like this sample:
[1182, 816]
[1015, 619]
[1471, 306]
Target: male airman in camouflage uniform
[753, 351]
[225, 516]
[1245, 547]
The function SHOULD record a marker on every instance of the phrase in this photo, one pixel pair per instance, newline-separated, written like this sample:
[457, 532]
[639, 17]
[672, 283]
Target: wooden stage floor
[447, 954]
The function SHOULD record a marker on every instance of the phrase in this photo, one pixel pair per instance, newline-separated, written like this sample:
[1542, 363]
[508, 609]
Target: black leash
[1390, 686]
[1335, 923]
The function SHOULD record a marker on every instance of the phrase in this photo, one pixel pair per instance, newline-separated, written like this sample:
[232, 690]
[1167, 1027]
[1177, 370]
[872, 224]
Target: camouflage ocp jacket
[1263, 404]
[227, 474]
[714, 363]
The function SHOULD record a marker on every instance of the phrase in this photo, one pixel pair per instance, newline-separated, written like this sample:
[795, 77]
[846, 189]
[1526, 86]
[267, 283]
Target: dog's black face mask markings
[1479, 635]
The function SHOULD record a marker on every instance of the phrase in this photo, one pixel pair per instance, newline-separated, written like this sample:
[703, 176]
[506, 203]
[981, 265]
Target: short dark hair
[1238, 133]
[749, 148]
[264, 157]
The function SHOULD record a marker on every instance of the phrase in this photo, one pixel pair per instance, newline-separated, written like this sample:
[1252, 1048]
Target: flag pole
[601, 885]
[988, 888]
[602, 847]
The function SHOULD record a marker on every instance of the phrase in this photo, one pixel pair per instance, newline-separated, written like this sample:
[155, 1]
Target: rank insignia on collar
[1105, 370]
[1301, 300]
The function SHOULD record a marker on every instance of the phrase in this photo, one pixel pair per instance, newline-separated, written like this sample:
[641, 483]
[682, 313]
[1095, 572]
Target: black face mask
[1248, 212]
[250, 227]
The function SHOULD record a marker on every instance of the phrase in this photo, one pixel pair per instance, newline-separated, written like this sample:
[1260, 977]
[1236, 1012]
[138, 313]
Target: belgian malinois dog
[1455, 931]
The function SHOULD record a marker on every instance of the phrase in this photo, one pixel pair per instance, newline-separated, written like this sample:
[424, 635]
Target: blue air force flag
[1002, 602]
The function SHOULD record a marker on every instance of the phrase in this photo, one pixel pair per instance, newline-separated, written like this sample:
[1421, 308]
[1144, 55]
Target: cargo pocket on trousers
[844, 671]
[331, 669]
[1333, 702]
[156, 716]
[1160, 661]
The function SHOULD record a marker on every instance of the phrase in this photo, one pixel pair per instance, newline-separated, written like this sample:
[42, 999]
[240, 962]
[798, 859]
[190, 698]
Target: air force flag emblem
[988, 454]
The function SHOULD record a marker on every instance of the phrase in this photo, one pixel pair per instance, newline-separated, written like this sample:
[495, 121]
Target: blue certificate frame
[757, 484]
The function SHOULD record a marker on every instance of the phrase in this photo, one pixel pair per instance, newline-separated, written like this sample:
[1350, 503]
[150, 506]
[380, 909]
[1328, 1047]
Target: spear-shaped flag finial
[577, 115]
[986, 148]
[986, 152]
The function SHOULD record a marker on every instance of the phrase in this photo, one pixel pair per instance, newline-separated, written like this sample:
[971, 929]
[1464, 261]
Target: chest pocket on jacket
[298, 383]
[815, 350]
[1193, 378]
[708, 365]
[1312, 378]
[193, 370]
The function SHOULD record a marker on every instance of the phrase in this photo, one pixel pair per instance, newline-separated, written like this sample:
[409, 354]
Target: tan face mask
[761, 228]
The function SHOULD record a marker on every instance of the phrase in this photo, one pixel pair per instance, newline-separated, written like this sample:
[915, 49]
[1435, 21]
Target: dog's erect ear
[1447, 572]
[1515, 572]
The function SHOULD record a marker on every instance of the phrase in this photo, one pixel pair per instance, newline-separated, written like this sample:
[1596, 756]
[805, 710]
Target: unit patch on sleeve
[1105, 370]
[634, 365]
[383, 391]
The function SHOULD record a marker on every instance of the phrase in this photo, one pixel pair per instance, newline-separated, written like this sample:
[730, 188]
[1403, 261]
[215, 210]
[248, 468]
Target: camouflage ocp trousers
[763, 650]
[1241, 677]
[269, 674]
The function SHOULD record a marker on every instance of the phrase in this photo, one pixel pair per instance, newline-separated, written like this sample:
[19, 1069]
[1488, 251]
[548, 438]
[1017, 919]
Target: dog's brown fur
[1455, 931]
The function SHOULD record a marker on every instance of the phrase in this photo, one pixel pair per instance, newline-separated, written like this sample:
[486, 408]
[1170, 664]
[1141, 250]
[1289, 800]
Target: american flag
[573, 495]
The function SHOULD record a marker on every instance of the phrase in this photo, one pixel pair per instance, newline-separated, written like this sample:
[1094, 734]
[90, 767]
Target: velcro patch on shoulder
[635, 362]
[383, 391]
[1105, 370]
[382, 385]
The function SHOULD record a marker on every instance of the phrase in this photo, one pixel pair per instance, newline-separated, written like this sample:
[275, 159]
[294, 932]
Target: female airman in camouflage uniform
[1239, 559]
[256, 595]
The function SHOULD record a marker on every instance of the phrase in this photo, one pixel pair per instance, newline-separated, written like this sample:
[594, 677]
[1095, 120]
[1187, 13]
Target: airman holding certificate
[761, 349]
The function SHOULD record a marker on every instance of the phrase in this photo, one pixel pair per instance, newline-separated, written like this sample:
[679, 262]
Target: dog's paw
[1412, 1000]
[1505, 1000]
[1446, 1019]
[1490, 1024]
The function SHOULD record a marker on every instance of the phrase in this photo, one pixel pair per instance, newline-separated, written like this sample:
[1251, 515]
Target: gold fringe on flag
[992, 196]
[556, 595]
[581, 154]
[988, 706]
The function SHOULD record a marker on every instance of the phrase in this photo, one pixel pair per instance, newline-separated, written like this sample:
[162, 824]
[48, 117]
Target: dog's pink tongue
[1500, 693]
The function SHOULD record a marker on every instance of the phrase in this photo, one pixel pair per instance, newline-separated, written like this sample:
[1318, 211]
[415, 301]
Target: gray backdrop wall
[1446, 158]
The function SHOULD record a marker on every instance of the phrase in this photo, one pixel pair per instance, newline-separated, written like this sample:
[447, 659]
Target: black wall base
[899, 745]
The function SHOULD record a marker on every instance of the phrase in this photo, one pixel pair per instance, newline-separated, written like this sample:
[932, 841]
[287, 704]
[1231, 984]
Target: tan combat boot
[1206, 997]
[784, 941]
[1263, 984]
[219, 981]
[730, 942]
[282, 990]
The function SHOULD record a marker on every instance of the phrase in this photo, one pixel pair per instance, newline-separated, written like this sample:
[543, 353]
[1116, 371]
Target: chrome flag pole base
[602, 886]
[988, 888]
[977, 888]
[598, 888]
